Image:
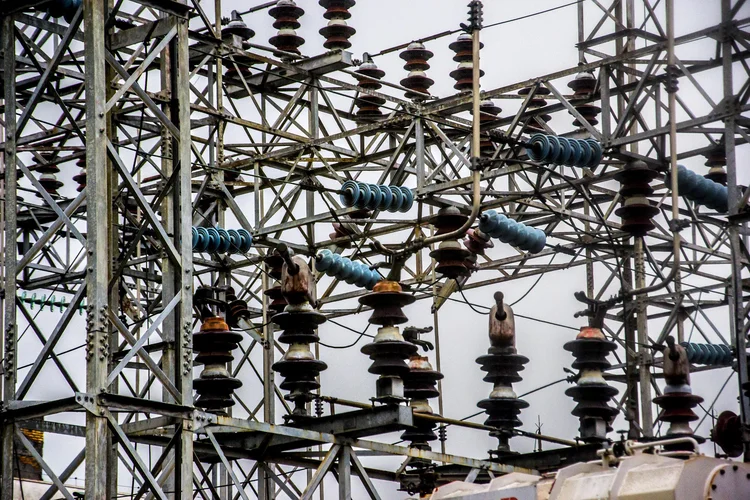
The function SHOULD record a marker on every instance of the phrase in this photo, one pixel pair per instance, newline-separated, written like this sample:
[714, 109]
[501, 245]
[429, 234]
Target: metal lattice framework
[137, 93]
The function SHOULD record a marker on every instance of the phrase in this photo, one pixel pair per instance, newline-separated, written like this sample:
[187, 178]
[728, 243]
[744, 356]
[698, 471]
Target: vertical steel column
[183, 342]
[9, 303]
[644, 353]
[98, 267]
[345, 473]
[738, 319]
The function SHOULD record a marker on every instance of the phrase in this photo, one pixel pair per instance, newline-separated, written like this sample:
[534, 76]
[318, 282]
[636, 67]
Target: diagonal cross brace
[30, 447]
[141, 341]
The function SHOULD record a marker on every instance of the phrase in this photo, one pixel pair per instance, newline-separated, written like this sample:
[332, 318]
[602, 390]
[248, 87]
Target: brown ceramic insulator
[636, 212]
[416, 57]
[488, 112]
[450, 256]
[369, 106]
[214, 344]
[48, 178]
[727, 433]
[583, 86]
[678, 409]
[236, 26]
[337, 33]
[538, 101]
[387, 306]
[237, 69]
[477, 242]
[274, 264]
[341, 231]
[716, 160]
[464, 73]
[286, 15]
[420, 384]
[80, 177]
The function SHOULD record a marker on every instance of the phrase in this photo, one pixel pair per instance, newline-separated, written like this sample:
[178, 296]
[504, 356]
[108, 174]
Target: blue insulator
[387, 200]
[566, 151]
[507, 230]
[246, 240]
[376, 196]
[587, 154]
[701, 190]
[708, 354]
[538, 147]
[365, 195]
[202, 244]
[583, 153]
[349, 193]
[408, 199]
[63, 8]
[344, 269]
[195, 237]
[214, 240]
[224, 242]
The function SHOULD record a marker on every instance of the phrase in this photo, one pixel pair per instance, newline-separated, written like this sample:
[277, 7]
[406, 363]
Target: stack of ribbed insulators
[716, 160]
[299, 323]
[63, 8]
[369, 106]
[583, 153]
[344, 269]
[416, 57]
[727, 433]
[449, 255]
[80, 177]
[239, 64]
[464, 73]
[220, 240]
[48, 178]
[502, 364]
[701, 190]
[536, 102]
[488, 112]
[274, 264]
[376, 197]
[708, 354]
[528, 239]
[389, 349]
[636, 211]
[420, 384]
[214, 344]
[286, 15]
[583, 86]
[476, 242]
[337, 33]
[236, 308]
[591, 391]
[677, 401]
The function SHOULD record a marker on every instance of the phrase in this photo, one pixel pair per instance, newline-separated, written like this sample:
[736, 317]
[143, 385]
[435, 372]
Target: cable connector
[677, 225]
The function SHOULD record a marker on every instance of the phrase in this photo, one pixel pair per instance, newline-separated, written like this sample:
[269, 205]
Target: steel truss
[136, 91]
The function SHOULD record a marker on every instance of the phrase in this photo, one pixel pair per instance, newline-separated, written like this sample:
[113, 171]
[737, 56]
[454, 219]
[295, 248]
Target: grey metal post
[98, 267]
[9, 303]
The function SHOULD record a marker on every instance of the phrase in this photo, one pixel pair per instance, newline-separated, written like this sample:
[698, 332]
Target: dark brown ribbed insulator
[236, 26]
[287, 14]
[274, 264]
[80, 177]
[369, 106]
[238, 66]
[583, 86]
[591, 392]
[420, 384]
[677, 400]
[214, 344]
[636, 211]
[337, 33]
[48, 178]
[476, 242]
[389, 349]
[488, 112]
[464, 73]
[716, 160]
[450, 257]
[536, 102]
[416, 57]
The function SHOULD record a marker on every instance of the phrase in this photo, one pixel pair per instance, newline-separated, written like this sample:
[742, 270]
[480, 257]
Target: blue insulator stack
[701, 190]
[708, 354]
[376, 197]
[528, 239]
[583, 153]
[63, 8]
[219, 240]
[345, 269]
